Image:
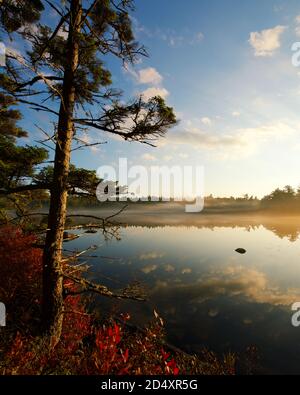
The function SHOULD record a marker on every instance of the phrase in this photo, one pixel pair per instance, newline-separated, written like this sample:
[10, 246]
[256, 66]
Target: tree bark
[52, 262]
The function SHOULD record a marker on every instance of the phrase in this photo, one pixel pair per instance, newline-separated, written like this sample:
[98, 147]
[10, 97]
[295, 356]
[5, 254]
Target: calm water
[208, 295]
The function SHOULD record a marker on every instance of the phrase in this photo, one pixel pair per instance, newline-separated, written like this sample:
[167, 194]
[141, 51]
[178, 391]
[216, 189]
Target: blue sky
[225, 67]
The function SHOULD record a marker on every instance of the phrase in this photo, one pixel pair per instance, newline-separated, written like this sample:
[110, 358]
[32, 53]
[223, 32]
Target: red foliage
[118, 353]
[108, 355]
[83, 348]
[20, 274]
[21, 263]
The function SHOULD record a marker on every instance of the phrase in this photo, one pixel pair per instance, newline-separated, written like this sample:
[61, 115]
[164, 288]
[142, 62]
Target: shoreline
[172, 215]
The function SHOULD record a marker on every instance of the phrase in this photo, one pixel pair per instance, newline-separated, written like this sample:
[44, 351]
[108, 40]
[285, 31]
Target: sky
[226, 68]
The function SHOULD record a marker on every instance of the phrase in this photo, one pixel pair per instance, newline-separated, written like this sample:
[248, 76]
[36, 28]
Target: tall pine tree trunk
[52, 265]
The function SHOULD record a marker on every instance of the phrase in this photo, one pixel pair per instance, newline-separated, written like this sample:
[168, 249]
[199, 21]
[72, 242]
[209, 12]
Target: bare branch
[98, 218]
[89, 286]
[38, 107]
[45, 145]
[36, 79]
[88, 145]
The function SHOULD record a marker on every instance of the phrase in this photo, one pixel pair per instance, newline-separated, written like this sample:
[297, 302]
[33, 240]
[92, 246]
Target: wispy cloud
[198, 38]
[171, 37]
[236, 144]
[175, 39]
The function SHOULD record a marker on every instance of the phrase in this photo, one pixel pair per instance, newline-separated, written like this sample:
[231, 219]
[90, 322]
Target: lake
[209, 295]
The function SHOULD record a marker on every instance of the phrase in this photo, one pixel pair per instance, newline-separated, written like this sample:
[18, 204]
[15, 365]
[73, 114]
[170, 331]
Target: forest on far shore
[283, 200]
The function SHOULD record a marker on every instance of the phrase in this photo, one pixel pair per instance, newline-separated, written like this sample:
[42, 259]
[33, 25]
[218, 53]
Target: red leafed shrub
[108, 354]
[84, 348]
[120, 351]
[20, 275]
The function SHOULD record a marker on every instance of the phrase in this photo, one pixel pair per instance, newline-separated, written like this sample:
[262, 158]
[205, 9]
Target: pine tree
[68, 59]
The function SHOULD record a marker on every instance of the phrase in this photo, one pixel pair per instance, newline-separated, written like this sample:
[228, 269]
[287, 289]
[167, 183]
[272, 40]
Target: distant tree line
[286, 199]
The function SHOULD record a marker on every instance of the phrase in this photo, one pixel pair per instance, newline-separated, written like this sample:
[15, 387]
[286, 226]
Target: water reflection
[209, 295]
[232, 281]
[286, 227]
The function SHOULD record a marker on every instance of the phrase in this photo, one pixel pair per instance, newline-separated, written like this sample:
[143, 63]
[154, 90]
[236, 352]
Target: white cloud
[35, 29]
[297, 19]
[88, 139]
[30, 28]
[206, 121]
[266, 41]
[155, 91]
[236, 114]
[149, 76]
[149, 157]
[63, 33]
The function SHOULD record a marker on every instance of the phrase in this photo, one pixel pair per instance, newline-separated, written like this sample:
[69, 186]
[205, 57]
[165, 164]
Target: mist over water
[208, 295]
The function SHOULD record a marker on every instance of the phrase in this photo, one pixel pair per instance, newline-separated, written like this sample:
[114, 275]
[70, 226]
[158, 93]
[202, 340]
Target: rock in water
[241, 250]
